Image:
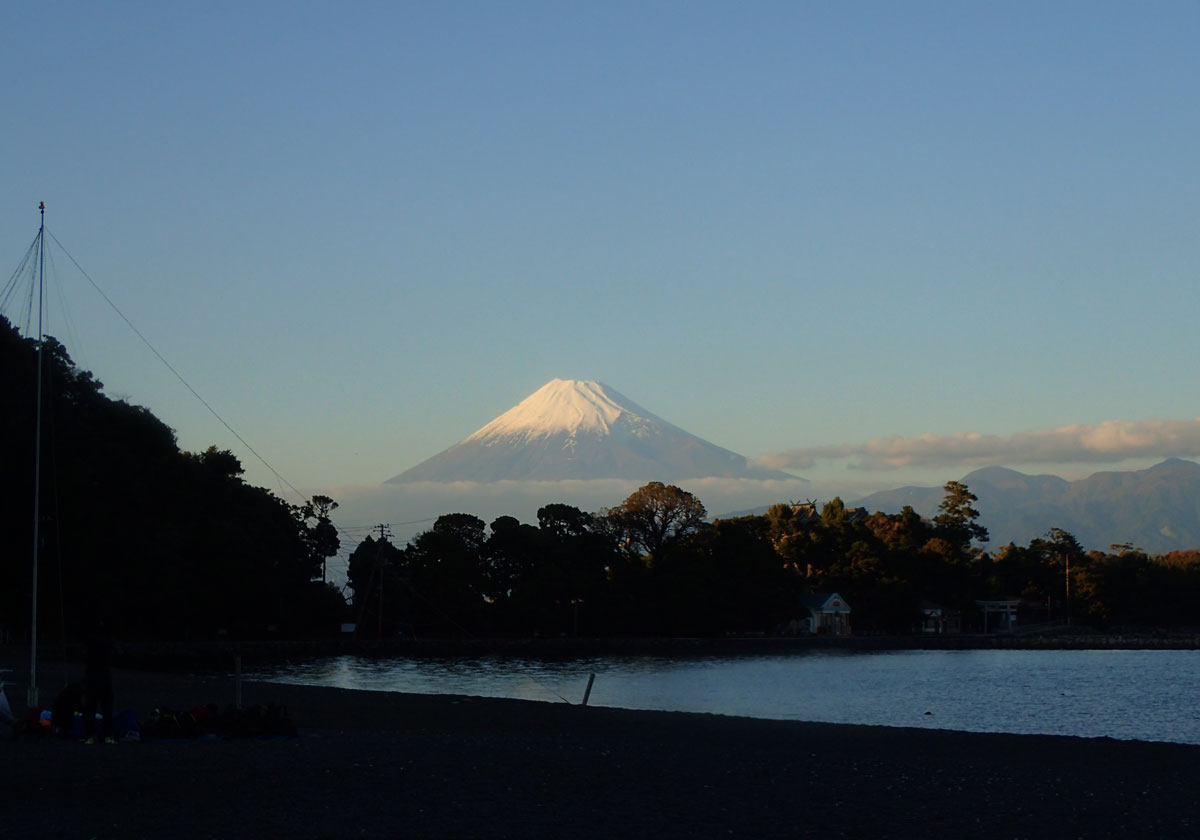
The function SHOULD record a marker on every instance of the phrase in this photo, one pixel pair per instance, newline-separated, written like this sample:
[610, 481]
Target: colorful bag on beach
[162, 724]
[125, 726]
[74, 729]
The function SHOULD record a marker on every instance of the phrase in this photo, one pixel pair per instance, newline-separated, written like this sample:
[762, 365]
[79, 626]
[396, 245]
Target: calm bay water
[1148, 695]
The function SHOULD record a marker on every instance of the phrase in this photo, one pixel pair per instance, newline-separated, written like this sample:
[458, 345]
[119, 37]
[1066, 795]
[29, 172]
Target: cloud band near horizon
[1107, 442]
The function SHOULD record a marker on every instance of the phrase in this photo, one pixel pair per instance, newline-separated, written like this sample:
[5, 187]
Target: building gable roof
[826, 602]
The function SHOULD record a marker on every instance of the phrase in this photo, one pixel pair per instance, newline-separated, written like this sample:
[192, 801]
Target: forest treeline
[168, 544]
[163, 543]
[654, 565]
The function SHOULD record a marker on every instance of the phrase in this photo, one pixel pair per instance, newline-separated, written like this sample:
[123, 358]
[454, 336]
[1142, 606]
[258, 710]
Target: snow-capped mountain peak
[570, 406]
[581, 430]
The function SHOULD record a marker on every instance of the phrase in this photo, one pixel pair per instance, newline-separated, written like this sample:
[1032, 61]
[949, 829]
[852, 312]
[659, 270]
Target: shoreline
[377, 764]
[175, 655]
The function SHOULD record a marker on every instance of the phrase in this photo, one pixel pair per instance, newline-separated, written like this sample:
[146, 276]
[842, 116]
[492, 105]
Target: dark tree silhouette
[654, 517]
[320, 534]
[957, 523]
[168, 544]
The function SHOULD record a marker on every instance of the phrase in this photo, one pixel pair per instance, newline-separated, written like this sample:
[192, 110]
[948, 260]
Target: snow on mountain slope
[561, 405]
[574, 429]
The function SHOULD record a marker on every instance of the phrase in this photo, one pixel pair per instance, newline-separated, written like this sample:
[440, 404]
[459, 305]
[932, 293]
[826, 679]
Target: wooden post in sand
[237, 681]
[587, 692]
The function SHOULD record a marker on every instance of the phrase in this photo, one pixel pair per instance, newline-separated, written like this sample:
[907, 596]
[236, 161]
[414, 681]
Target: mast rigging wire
[176, 373]
[11, 287]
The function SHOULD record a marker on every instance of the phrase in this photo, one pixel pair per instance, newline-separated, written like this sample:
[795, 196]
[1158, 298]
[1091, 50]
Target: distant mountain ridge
[583, 430]
[1156, 509]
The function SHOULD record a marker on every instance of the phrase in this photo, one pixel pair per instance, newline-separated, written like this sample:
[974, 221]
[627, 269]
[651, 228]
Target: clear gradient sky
[798, 230]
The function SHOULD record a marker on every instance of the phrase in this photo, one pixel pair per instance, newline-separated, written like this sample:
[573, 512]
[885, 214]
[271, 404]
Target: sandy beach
[373, 764]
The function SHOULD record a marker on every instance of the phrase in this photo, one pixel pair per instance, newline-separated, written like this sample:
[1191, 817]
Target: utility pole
[385, 535]
[31, 695]
[1067, 559]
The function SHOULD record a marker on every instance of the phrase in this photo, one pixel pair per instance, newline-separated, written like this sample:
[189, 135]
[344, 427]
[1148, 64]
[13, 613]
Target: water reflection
[1145, 695]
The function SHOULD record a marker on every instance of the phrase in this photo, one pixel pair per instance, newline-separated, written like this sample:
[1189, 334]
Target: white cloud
[1102, 443]
[409, 509]
[420, 503]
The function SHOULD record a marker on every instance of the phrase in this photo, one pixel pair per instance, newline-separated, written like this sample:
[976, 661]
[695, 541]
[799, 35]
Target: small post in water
[237, 682]
[587, 692]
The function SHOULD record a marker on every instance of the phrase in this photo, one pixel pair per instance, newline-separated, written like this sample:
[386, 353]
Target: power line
[11, 287]
[174, 372]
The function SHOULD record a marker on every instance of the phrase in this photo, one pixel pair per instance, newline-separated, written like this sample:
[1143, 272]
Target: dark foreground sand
[370, 764]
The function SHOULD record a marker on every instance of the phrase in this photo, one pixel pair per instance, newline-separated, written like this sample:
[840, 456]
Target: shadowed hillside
[1156, 509]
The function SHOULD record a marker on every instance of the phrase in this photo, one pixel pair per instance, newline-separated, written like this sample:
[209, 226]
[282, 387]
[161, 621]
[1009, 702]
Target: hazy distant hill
[572, 429]
[1157, 509]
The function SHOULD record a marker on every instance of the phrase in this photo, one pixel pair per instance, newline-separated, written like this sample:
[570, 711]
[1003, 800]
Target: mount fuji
[574, 429]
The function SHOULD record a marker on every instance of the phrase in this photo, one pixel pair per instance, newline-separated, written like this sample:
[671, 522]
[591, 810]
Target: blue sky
[804, 231]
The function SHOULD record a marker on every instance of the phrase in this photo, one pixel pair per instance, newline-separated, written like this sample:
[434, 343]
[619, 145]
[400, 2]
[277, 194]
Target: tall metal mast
[31, 699]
